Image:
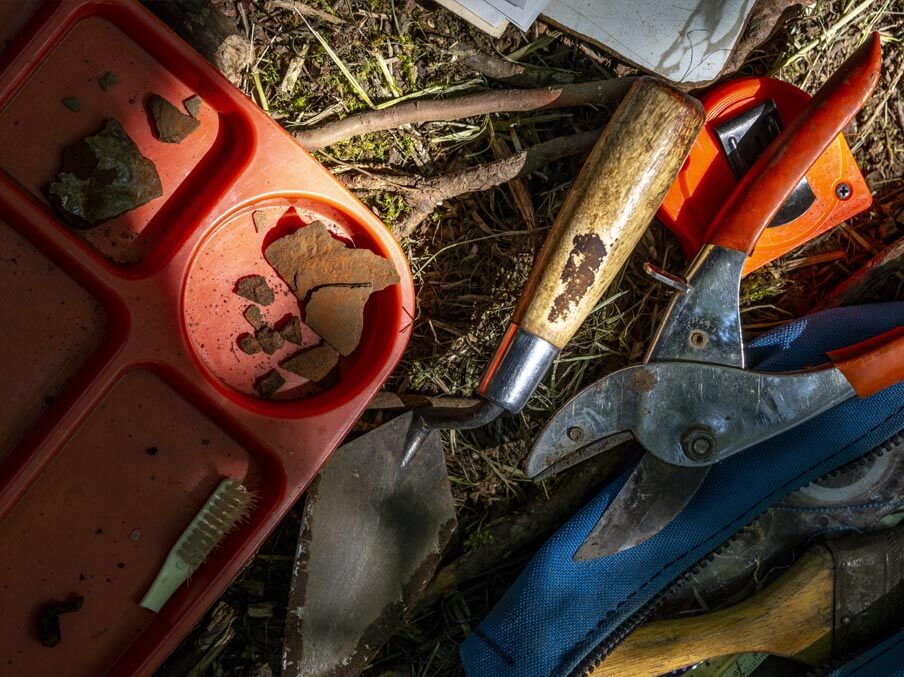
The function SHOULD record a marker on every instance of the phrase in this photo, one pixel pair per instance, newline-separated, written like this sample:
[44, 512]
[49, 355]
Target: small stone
[135, 535]
[72, 103]
[103, 176]
[249, 345]
[173, 126]
[269, 383]
[254, 317]
[193, 106]
[49, 629]
[291, 331]
[255, 288]
[107, 80]
[270, 340]
[313, 364]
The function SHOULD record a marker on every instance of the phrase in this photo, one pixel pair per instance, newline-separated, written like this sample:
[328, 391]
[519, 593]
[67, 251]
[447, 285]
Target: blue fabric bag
[559, 611]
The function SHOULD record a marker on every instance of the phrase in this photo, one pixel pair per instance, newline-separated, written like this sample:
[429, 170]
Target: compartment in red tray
[36, 125]
[153, 369]
[213, 312]
[52, 328]
[101, 519]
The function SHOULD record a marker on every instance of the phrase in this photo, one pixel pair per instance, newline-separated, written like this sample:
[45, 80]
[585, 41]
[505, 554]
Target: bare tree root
[424, 194]
[600, 92]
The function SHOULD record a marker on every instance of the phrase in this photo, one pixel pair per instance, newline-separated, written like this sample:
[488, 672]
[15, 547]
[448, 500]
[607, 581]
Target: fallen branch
[211, 33]
[424, 194]
[600, 92]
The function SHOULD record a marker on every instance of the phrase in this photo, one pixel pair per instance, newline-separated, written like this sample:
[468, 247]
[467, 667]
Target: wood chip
[313, 364]
[336, 314]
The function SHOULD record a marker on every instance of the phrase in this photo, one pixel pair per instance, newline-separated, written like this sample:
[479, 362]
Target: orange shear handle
[780, 168]
[874, 364]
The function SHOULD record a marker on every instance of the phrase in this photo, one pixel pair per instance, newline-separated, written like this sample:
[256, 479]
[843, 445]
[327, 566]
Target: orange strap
[874, 364]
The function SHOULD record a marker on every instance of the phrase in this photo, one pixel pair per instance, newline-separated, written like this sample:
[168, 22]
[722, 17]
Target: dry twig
[424, 194]
[600, 92]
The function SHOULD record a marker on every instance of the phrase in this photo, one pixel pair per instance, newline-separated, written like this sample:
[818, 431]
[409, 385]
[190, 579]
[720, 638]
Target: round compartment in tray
[213, 313]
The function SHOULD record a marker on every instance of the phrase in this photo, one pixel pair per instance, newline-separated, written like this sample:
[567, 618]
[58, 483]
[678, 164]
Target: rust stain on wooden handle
[615, 197]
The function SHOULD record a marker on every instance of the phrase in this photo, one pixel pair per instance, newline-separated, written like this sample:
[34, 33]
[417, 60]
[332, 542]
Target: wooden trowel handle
[785, 618]
[614, 198]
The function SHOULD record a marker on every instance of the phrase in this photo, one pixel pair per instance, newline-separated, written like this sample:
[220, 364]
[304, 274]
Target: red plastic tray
[119, 341]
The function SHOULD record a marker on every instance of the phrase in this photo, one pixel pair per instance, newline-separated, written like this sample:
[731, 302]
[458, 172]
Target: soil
[103, 176]
[255, 288]
[249, 345]
[314, 363]
[193, 106]
[107, 80]
[270, 341]
[173, 126]
[291, 331]
[253, 315]
[49, 629]
[269, 383]
[336, 314]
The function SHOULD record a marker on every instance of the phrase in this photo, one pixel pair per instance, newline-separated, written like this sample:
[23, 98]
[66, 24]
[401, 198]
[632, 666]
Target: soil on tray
[313, 364]
[103, 176]
[255, 288]
[173, 126]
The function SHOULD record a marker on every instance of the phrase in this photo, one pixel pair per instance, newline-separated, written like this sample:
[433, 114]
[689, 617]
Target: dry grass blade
[341, 65]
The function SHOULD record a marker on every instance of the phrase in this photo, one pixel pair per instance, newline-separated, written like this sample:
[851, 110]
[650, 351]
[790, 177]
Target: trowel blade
[371, 537]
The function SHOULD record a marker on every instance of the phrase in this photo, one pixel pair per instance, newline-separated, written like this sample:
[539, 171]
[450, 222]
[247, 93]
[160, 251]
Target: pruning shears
[692, 403]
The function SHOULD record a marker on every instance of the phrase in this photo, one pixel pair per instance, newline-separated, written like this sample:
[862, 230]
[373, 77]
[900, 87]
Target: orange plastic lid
[126, 401]
[706, 179]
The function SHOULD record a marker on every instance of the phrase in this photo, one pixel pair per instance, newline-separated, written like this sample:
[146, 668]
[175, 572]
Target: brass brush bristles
[228, 505]
[224, 510]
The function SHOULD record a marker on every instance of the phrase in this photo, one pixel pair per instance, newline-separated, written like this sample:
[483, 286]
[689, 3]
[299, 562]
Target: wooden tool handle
[784, 619]
[616, 195]
[874, 364]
